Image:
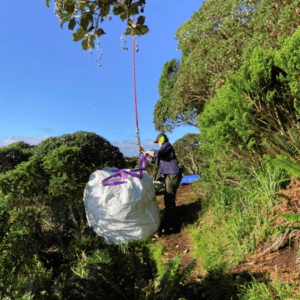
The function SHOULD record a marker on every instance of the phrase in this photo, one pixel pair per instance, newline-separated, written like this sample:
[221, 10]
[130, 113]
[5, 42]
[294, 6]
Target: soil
[277, 258]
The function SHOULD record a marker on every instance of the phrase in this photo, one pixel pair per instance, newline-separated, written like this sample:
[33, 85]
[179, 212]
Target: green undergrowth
[234, 219]
[268, 291]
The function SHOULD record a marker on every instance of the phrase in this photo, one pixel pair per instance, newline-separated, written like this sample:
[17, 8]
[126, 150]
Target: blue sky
[50, 87]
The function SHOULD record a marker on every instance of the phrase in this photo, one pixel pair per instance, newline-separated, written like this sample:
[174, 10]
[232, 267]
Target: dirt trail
[177, 239]
[276, 258]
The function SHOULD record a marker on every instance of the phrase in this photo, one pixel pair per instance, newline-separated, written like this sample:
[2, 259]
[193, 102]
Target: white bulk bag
[123, 212]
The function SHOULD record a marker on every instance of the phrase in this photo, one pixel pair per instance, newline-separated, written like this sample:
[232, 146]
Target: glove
[140, 149]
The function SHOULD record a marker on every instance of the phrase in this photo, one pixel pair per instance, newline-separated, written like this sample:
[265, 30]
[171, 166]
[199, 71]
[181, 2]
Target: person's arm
[149, 153]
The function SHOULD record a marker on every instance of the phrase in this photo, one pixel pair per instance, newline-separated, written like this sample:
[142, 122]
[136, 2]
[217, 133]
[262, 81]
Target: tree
[187, 153]
[216, 42]
[85, 16]
[165, 114]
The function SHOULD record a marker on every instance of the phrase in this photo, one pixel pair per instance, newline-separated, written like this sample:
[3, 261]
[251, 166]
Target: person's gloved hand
[140, 149]
[149, 153]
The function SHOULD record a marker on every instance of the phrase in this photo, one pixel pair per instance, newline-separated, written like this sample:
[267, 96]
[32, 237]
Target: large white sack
[124, 212]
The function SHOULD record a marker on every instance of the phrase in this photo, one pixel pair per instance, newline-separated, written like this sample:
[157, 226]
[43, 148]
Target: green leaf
[105, 9]
[90, 18]
[124, 15]
[99, 32]
[134, 9]
[64, 21]
[78, 35]
[118, 9]
[47, 3]
[91, 41]
[141, 29]
[128, 31]
[69, 8]
[141, 20]
[72, 24]
[84, 22]
[90, 28]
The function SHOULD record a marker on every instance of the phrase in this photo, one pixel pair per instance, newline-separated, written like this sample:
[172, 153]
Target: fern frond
[295, 137]
[288, 165]
[284, 143]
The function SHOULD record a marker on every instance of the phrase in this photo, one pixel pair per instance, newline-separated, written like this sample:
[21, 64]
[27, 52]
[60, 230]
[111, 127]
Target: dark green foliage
[43, 211]
[13, 155]
[129, 275]
[123, 278]
[131, 162]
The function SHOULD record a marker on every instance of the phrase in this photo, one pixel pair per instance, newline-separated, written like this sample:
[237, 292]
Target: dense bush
[14, 154]
[43, 214]
[261, 99]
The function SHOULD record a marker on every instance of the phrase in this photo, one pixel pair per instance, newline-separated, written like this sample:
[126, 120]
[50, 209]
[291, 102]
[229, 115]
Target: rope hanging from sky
[137, 132]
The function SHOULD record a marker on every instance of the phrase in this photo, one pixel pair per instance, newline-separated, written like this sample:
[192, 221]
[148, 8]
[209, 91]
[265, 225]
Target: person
[165, 158]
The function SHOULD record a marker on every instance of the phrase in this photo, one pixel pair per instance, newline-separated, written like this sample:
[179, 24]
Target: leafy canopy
[215, 43]
[84, 16]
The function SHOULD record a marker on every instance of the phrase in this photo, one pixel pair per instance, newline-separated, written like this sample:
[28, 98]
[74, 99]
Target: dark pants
[172, 182]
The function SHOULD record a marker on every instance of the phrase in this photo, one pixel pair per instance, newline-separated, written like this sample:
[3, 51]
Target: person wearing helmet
[165, 158]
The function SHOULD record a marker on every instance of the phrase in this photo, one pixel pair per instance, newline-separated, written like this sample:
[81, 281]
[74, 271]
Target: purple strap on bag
[119, 173]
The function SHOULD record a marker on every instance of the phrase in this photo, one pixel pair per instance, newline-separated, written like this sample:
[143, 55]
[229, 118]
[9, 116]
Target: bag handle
[119, 173]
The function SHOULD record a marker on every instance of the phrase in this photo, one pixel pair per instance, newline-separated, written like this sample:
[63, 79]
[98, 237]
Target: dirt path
[177, 239]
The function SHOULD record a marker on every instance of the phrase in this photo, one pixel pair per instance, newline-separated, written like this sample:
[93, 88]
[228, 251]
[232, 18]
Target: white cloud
[29, 140]
[128, 147]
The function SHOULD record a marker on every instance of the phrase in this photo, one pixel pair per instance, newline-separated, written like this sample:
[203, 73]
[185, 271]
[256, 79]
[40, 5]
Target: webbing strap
[120, 173]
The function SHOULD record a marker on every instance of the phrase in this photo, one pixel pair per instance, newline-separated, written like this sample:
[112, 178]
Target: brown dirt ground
[177, 240]
[278, 258]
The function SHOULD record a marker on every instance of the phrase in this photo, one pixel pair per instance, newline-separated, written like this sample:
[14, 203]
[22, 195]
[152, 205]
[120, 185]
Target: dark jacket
[165, 158]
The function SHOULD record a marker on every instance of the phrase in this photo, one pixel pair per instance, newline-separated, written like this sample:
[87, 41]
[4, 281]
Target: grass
[234, 220]
[269, 291]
